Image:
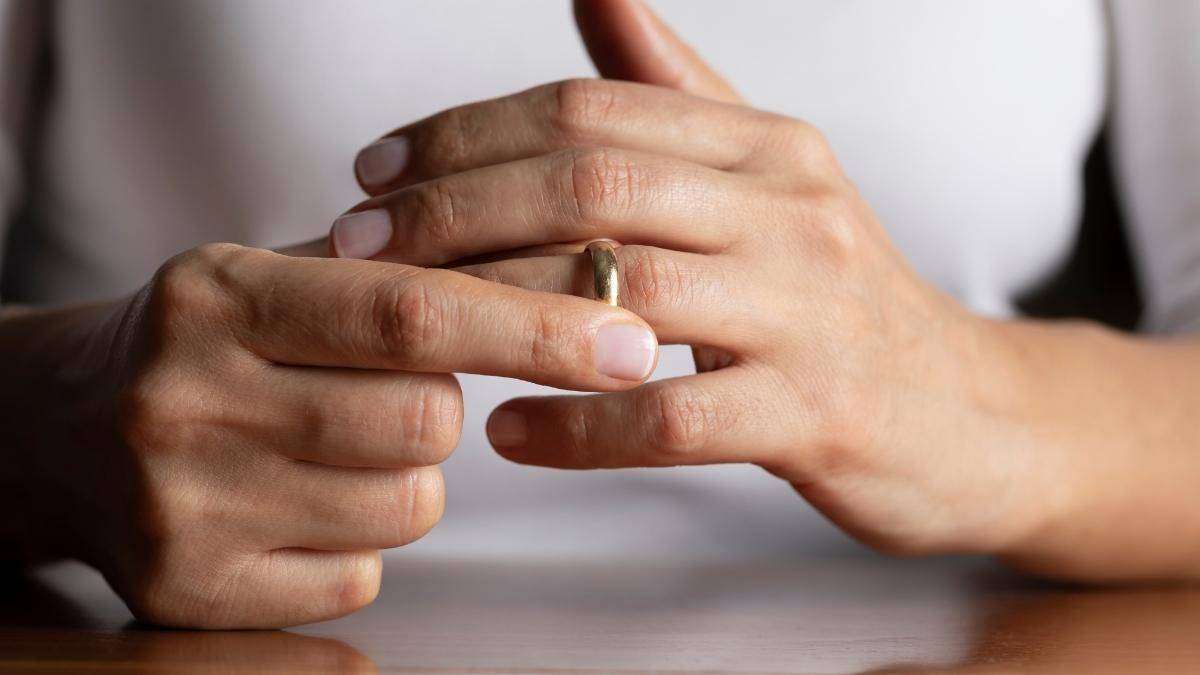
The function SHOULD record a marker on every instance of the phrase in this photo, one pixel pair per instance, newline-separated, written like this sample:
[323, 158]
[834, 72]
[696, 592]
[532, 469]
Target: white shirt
[170, 124]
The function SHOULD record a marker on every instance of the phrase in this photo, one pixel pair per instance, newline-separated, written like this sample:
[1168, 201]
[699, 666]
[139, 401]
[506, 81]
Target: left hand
[821, 355]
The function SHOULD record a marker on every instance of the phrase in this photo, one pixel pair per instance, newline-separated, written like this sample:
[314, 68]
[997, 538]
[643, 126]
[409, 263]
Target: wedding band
[604, 269]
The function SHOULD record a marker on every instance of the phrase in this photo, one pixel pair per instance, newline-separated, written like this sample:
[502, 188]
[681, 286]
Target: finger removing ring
[604, 268]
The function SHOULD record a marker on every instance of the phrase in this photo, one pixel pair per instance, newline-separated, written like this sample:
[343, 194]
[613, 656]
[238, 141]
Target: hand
[233, 445]
[821, 355]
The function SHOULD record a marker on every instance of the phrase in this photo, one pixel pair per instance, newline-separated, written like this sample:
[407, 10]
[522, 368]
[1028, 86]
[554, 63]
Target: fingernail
[382, 162]
[506, 429]
[625, 351]
[362, 234]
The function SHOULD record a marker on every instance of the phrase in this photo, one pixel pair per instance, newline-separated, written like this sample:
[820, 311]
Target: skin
[1066, 449]
[232, 445]
[246, 432]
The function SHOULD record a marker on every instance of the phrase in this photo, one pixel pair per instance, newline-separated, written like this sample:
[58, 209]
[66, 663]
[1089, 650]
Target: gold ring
[604, 268]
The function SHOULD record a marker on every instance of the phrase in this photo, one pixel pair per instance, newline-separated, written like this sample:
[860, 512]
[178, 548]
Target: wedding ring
[604, 269]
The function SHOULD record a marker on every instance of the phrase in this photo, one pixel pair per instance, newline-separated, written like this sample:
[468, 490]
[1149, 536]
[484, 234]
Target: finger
[362, 314]
[345, 509]
[629, 42]
[566, 114]
[687, 298]
[356, 418]
[563, 197]
[715, 417]
[288, 587]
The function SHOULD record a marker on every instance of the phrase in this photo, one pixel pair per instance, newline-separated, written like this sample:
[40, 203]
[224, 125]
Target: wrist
[1032, 416]
[55, 360]
[1008, 466]
[1097, 423]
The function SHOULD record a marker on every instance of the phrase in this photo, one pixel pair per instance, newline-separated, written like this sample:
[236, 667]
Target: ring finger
[687, 298]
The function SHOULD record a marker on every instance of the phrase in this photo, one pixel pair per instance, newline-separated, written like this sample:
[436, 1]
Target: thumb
[629, 42]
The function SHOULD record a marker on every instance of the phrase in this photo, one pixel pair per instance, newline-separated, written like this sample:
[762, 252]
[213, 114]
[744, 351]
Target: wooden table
[851, 613]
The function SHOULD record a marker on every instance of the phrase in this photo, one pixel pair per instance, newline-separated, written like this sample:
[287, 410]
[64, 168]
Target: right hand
[260, 425]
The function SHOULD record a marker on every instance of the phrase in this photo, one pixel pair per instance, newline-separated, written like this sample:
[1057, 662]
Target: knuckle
[801, 137]
[443, 144]
[437, 215]
[359, 583]
[680, 422]
[829, 227]
[410, 318]
[577, 426]
[801, 133]
[188, 282]
[203, 283]
[580, 106]
[212, 256]
[432, 422]
[424, 499]
[798, 141]
[548, 332]
[152, 413]
[603, 184]
[654, 279]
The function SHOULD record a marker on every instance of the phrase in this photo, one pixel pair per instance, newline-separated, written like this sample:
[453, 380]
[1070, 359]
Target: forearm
[46, 353]
[1109, 428]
